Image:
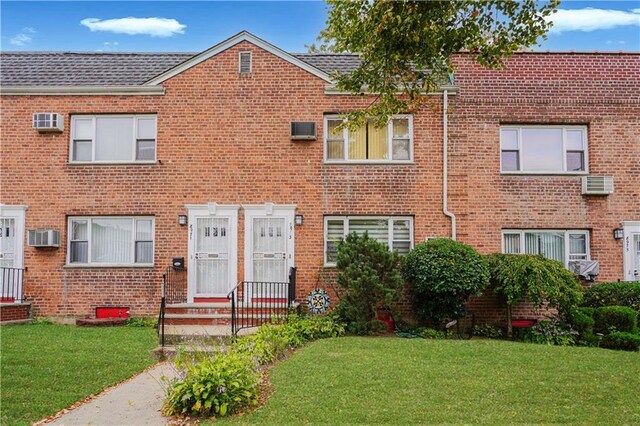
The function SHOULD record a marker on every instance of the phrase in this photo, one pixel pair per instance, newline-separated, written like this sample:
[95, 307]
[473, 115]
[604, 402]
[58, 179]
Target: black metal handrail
[11, 280]
[174, 290]
[254, 302]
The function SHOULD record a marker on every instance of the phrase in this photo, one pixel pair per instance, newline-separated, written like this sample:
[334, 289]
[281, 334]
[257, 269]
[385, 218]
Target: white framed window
[543, 149]
[110, 240]
[558, 244]
[392, 143]
[113, 139]
[394, 231]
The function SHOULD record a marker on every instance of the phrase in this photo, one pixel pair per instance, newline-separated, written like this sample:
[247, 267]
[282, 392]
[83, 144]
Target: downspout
[445, 135]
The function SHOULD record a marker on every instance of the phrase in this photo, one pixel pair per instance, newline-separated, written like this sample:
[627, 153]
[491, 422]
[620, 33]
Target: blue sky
[195, 26]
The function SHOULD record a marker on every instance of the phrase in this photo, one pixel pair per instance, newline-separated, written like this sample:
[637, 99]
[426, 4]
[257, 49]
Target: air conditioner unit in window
[586, 269]
[303, 130]
[44, 238]
[597, 185]
[48, 122]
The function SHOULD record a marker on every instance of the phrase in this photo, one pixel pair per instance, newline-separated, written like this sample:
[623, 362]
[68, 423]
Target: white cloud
[155, 27]
[591, 19]
[23, 37]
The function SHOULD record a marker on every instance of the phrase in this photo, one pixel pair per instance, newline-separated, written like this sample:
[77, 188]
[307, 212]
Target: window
[113, 138]
[395, 231]
[392, 143]
[561, 245]
[543, 149]
[111, 240]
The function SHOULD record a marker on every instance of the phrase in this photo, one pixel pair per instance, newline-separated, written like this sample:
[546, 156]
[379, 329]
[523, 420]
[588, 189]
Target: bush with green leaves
[368, 280]
[621, 341]
[442, 274]
[581, 319]
[552, 332]
[227, 381]
[613, 294]
[488, 330]
[615, 318]
[536, 279]
[142, 322]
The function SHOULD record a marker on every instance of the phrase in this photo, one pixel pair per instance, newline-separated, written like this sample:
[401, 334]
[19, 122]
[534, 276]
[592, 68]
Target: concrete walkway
[135, 402]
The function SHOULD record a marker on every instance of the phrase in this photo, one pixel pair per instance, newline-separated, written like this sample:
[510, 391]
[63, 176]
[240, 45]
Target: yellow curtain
[378, 142]
[358, 144]
[335, 141]
[377, 147]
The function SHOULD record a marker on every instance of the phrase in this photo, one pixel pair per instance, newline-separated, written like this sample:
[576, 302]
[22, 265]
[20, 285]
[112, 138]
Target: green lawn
[45, 368]
[409, 381]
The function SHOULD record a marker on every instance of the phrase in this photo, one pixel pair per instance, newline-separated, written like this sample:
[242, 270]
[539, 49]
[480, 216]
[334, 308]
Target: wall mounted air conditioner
[586, 269]
[597, 185]
[44, 238]
[303, 130]
[48, 122]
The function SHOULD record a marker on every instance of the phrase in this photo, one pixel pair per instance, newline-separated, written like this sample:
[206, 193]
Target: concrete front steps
[214, 314]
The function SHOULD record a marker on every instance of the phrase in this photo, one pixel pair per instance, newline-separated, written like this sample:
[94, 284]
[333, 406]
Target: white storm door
[12, 221]
[7, 242]
[213, 251]
[631, 251]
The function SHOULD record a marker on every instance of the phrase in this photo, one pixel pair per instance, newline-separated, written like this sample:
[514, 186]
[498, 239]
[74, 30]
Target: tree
[406, 46]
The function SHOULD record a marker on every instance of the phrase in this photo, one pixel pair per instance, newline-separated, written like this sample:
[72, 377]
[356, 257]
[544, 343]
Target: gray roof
[119, 69]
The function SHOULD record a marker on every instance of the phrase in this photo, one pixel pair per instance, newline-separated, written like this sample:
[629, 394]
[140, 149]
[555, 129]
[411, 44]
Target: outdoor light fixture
[182, 219]
[299, 219]
[618, 234]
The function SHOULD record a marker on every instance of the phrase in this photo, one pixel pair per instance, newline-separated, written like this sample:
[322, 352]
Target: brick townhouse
[231, 158]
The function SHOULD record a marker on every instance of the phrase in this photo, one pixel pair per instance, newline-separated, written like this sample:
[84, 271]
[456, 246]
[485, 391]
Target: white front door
[631, 251]
[212, 270]
[269, 248]
[12, 220]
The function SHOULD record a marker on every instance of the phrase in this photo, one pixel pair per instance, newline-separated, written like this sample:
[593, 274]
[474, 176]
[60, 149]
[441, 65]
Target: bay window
[110, 240]
[543, 149]
[561, 245]
[391, 143]
[113, 138]
[394, 231]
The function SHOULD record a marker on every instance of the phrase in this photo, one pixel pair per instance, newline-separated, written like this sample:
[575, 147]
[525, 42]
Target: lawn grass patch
[415, 381]
[47, 367]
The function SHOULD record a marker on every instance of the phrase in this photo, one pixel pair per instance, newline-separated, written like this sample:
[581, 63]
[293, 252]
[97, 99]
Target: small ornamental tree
[369, 279]
[516, 277]
[443, 274]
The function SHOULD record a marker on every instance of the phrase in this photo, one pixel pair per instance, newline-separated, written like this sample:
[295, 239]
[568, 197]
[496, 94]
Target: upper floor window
[113, 138]
[395, 231]
[543, 149]
[561, 245]
[391, 143]
[110, 240]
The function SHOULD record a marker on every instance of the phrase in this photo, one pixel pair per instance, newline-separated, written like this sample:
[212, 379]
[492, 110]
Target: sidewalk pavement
[135, 402]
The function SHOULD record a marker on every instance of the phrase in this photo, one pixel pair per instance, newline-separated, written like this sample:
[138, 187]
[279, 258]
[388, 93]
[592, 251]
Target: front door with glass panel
[7, 242]
[11, 252]
[212, 257]
[631, 251]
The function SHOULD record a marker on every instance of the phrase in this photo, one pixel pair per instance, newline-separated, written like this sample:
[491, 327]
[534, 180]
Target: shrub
[621, 341]
[552, 332]
[368, 280]
[516, 277]
[443, 274]
[615, 318]
[582, 321]
[488, 330]
[141, 322]
[613, 294]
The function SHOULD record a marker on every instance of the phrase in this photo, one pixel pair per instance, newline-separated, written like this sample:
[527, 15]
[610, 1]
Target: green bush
[613, 294]
[551, 332]
[443, 274]
[582, 321]
[621, 341]
[536, 279]
[228, 380]
[368, 280]
[141, 322]
[615, 318]
[488, 330]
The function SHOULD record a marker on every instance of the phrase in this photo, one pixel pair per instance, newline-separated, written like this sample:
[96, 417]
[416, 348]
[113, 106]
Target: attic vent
[303, 130]
[48, 122]
[597, 185]
[245, 62]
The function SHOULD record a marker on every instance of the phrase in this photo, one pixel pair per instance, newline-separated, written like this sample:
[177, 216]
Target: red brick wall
[224, 137]
[10, 312]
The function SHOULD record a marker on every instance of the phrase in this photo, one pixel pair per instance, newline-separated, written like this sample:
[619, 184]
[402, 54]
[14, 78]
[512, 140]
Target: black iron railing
[174, 290]
[254, 303]
[11, 285]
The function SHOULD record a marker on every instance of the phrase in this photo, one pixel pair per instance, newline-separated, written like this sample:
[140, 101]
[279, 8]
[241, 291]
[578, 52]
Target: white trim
[518, 128]
[566, 233]
[267, 210]
[212, 210]
[82, 90]
[345, 228]
[331, 89]
[345, 138]
[17, 213]
[91, 264]
[230, 42]
[630, 228]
